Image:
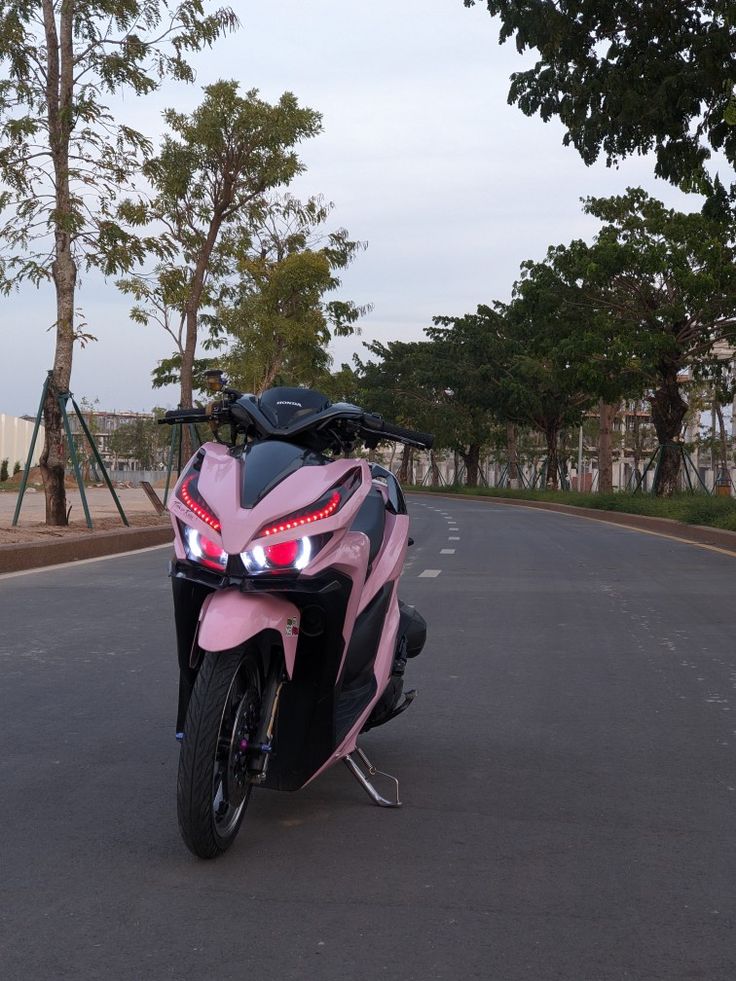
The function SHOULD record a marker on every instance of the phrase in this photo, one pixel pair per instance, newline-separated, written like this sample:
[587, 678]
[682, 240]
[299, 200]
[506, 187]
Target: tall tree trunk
[59, 92]
[607, 414]
[512, 450]
[637, 440]
[405, 465]
[472, 464]
[434, 469]
[551, 434]
[668, 411]
[723, 438]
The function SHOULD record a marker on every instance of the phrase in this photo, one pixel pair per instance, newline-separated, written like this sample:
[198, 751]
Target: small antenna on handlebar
[215, 380]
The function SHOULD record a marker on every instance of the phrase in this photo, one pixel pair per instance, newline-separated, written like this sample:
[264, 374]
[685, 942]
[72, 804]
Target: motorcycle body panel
[334, 623]
[229, 619]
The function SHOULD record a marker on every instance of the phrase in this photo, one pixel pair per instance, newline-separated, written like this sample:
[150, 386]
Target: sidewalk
[32, 543]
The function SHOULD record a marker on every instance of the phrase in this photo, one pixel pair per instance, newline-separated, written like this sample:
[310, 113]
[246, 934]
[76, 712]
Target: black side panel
[188, 600]
[396, 502]
[358, 680]
[305, 729]
[364, 642]
[413, 627]
[371, 520]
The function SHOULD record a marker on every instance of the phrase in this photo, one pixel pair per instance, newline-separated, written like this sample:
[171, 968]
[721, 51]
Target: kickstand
[365, 783]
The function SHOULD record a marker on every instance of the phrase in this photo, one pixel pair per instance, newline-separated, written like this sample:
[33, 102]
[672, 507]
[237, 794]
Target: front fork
[263, 744]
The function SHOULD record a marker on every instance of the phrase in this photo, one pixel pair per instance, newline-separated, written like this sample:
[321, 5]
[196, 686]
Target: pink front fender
[229, 618]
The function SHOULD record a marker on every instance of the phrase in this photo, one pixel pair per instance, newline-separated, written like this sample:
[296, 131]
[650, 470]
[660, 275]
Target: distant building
[102, 424]
[15, 440]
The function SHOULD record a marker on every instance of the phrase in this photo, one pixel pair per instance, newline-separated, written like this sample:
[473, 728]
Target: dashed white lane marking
[429, 574]
[447, 551]
[453, 538]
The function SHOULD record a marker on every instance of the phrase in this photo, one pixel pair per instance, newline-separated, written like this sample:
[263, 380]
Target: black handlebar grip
[398, 432]
[174, 416]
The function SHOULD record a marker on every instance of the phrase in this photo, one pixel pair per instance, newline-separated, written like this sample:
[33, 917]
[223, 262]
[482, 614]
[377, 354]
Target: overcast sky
[451, 187]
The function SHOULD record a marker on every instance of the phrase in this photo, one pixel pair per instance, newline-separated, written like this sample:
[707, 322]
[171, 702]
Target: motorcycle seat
[371, 520]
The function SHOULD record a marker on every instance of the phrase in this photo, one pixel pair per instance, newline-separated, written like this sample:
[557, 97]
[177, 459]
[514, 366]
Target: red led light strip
[305, 519]
[202, 514]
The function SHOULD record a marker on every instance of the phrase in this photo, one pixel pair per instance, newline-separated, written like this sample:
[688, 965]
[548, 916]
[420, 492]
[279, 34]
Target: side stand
[354, 767]
[62, 398]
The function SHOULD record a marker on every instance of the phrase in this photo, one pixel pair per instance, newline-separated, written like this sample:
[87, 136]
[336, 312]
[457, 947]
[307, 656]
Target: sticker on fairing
[292, 627]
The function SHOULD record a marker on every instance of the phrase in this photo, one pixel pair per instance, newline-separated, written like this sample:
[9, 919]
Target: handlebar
[175, 416]
[373, 425]
[376, 424]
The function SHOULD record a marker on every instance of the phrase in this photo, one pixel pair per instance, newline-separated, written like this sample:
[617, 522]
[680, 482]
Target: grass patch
[692, 509]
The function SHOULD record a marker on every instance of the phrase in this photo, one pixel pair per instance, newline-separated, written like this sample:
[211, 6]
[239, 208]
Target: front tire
[213, 789]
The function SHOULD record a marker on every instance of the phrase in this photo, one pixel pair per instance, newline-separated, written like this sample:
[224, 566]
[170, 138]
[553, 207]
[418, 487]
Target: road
[567, 772]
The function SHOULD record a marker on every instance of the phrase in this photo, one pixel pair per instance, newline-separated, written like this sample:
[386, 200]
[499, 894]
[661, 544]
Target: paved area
[568, 773]
[100, 501]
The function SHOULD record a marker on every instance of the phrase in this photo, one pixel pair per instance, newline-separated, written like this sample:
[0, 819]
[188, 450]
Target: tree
[3, 471]
[541, 360]
[209, 182]
[277, 318]
[630, 76]
[142, 440]
[64, 158]
[668, 282]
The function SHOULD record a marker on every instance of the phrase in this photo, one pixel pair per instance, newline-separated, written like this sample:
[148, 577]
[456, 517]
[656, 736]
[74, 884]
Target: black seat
[371, 520]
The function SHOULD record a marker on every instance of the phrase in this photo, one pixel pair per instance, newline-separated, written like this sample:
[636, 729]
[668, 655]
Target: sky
[451, 187]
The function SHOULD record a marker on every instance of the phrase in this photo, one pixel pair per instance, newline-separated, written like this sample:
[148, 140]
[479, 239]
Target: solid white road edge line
[74, 565]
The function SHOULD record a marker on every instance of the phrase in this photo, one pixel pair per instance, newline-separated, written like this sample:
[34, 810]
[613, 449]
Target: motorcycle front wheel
[223, 715]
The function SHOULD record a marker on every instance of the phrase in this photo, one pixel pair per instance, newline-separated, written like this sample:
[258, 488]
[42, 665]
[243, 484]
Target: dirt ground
[31, 528]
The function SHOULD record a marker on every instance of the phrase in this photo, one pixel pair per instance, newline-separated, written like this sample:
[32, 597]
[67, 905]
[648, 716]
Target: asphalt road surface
[567, 772]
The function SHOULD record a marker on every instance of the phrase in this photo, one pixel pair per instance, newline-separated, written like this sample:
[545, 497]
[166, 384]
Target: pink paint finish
[229, 618]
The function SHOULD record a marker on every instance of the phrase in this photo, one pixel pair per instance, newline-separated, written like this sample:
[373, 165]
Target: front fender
[229, 618]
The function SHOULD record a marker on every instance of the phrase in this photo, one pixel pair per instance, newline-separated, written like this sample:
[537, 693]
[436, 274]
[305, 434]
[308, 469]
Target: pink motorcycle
[291, 638]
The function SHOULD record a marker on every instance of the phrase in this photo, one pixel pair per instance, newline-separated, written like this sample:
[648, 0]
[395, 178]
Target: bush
[16, 467]
[4, 471]
[692, 509]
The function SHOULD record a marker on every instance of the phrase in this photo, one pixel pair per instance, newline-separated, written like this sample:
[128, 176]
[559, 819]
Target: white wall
[15, 440]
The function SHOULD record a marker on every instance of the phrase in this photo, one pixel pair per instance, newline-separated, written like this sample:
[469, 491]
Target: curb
[667, 527]
[21, 556]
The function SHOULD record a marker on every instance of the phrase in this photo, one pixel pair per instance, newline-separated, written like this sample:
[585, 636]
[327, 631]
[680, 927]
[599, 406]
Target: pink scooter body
[232, 616]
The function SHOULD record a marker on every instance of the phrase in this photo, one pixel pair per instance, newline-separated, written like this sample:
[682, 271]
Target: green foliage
[667, 278]
[210, 184]
[276, 318]
[541, 360]
[630, 76]
[142, 440]
[16, 467]
[64, 157]
[4, 470]
[168, 372]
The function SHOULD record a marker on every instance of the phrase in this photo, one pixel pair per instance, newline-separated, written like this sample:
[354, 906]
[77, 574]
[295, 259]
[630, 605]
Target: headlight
[294, 554]
[291, 556]
[202, 550]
